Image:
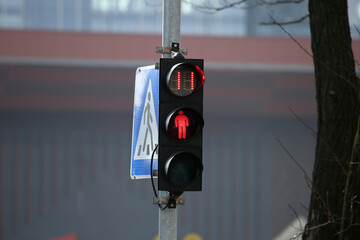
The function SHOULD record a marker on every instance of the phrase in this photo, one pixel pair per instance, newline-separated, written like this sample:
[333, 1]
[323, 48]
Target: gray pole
[170, 33]
[170, 23]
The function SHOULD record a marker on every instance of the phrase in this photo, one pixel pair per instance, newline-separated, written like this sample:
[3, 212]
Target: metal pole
[170, 33]
[170, 23]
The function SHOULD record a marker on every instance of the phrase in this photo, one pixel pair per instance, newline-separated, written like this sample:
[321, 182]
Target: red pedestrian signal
[181, 122]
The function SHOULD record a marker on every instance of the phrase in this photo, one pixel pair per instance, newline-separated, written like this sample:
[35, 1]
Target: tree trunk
[334, 211]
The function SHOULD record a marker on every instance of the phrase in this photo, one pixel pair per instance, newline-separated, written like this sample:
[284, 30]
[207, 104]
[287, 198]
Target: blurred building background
[144, 16]
[67, 71]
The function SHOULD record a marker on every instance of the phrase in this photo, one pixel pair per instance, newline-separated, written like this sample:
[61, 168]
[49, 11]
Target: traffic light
[180, 125]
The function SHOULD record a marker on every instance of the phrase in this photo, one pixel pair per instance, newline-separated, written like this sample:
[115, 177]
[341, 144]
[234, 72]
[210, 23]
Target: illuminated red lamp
[183, 123]
[184, 79]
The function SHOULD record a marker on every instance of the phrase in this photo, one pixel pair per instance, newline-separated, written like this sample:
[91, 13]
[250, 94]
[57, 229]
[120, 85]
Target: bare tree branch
[301, 230]
[303, 206]
[356, 88]
[287, 22]
[357, 29]
[313, 132]
[278, 2]
[292, 38]
[227, 5]
[307, 178]
[212, 9]
[348, 177]
[263, 2]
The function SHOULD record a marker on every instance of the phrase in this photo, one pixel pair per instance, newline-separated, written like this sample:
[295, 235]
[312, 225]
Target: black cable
[152, 180]
[151, 169]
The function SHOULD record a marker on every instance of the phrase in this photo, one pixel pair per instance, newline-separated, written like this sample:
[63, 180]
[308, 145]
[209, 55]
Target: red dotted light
[184, 79]
[192, 81]
[178, 80]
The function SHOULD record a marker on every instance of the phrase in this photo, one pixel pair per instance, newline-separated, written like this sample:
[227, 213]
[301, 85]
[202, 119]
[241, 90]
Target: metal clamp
[167, 50]
[164, 201]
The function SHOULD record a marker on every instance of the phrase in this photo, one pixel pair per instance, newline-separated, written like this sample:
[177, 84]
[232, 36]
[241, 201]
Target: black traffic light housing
[180, 125]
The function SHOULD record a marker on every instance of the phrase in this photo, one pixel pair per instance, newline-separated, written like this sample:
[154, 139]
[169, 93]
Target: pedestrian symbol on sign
[149, 119]
[147, 138]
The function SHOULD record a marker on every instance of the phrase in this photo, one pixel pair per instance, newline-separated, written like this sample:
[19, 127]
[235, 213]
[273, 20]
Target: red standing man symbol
[181, 122]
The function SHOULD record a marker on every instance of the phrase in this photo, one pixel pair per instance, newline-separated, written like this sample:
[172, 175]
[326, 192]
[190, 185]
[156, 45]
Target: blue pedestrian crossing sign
[145, 122]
